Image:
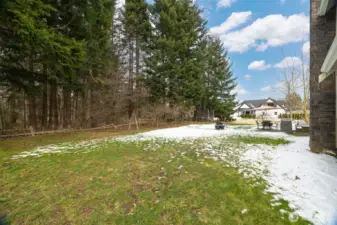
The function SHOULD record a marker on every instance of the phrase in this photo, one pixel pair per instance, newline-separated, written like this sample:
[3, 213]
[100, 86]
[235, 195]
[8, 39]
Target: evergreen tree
[27, 42]
[174, 69]
[72, 64]
[90, 21]
[218, 80]
[137, 29]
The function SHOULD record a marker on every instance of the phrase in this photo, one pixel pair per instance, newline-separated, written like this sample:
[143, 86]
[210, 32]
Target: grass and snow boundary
[308, 181]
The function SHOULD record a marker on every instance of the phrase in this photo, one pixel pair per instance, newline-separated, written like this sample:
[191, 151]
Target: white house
[264, 108]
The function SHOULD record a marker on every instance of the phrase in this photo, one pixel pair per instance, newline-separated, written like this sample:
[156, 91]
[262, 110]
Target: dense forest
[81, 64]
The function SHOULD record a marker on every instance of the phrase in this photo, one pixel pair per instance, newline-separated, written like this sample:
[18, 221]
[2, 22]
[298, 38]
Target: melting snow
[307, 180]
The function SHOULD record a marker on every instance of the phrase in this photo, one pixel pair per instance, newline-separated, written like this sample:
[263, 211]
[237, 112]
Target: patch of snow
[314, 195]
[199, 131]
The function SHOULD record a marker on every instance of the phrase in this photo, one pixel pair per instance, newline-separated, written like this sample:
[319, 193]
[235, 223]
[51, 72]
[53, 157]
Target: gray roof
[257, 103]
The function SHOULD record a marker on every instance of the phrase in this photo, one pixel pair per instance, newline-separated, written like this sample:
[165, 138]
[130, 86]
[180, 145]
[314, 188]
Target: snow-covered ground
[307, 180]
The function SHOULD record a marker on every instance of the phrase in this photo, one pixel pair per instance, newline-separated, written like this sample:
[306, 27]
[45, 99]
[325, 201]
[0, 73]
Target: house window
[270, 104]
[275, 113]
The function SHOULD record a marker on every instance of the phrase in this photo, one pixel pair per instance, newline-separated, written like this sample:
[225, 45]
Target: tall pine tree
[137, 30]
[174, 69]
[219, 82]
[28, 43]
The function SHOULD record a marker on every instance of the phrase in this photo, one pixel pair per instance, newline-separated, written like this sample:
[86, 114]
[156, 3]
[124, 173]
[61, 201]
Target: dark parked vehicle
[219, 125]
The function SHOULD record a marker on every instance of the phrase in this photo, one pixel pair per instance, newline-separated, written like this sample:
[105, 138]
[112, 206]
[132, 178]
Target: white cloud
[225, 3]
[289, 62]
[247, 77]
[282, 2]
[239, 90]
[261, 47]
[233, 21]
[266, 89]
[273, 88]
[273, 30]
[306, 49]
[258, 65]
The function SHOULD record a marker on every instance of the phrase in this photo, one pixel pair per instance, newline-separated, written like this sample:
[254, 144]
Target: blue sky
[264, 34]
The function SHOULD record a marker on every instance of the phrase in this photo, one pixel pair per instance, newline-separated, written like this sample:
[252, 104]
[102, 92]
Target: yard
[186, 175]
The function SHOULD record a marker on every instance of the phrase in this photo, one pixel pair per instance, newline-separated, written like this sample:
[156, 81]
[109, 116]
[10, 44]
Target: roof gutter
[325, 6]
[329, 64]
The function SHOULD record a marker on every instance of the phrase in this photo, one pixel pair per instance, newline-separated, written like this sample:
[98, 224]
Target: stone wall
[322, 95]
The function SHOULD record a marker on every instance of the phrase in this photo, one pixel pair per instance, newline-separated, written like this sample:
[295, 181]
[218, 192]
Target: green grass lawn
[10, 147]
[121, 183]
[259, 140]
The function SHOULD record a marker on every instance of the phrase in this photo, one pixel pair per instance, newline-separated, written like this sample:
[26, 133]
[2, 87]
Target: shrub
[296, 116]
[248, 116]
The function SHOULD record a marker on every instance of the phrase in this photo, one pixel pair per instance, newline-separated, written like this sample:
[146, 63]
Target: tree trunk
[138, 78]
[56, 112]
[84, 102]
[305, 112]
[75, 114]
[24, 110]
[66, 108]
[93, 108]
[44, 115]
[2, 118]
[51, 107]
[86, 108]
[291, 114]
[31, 96]
[13, 110]
[32, 110]
[130, 82]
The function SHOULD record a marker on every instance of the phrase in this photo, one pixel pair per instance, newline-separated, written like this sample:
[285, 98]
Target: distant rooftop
[258, 102]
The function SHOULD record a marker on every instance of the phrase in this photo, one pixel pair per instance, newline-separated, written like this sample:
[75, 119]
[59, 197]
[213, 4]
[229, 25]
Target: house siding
[270, 113]
[322, 95]
[262, 111]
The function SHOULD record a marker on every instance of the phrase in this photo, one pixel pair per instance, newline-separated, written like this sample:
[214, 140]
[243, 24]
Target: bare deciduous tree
[305, 79]
[290, 81]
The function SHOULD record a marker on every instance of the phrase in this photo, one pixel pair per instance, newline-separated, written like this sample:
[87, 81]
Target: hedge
[296, 116]
[248, 116]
